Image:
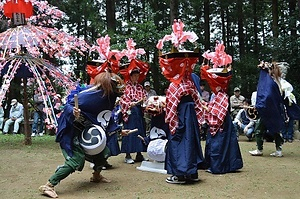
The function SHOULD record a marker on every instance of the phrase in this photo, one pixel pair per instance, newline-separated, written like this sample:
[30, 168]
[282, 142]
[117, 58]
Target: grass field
[24, 168]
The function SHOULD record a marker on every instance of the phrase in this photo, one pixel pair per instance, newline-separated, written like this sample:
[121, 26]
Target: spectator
[205, 94]
[150, 92]
[15, 116]
[243, 122]
[211, 96]
[57, 105]
[236, 102]
[1, 117]
[38, 114]
[147, 116]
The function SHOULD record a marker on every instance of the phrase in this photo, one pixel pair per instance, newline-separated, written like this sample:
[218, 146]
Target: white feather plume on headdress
[284, 66]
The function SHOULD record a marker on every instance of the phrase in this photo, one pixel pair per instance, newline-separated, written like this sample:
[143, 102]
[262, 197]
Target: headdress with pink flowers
[109, 60]
[219, 59]
[35, 30]
[216, 68]
[179, 61]
[178, 36]
[134, 64]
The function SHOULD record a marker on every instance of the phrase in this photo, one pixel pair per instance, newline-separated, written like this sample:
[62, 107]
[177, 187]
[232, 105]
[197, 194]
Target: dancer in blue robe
[275, 104]
[93, 112]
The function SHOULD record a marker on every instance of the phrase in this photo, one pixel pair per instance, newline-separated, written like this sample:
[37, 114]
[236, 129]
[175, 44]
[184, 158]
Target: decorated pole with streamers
[28, 67]
[25, 42]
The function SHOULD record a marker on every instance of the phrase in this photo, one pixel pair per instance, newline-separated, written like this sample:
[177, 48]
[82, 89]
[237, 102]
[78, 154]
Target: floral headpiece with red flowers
[134, 64]
[178, 63]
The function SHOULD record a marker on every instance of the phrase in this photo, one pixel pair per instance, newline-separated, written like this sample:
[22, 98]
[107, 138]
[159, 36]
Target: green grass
[24, 168]
[17, 142]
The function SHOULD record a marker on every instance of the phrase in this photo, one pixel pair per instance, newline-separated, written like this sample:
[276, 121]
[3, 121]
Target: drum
[93, 139]
[156, 150]
[156, 147]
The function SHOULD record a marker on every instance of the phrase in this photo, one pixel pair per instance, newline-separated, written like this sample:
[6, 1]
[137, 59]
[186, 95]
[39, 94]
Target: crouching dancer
[81, 131]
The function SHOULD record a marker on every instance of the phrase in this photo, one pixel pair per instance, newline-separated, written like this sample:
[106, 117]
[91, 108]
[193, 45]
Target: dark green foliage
[147, 21]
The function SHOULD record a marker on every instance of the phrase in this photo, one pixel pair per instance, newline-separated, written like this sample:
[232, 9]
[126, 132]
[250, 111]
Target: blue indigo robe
[222, 151]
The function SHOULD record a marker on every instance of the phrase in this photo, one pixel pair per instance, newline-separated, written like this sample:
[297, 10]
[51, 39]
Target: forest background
[251, 30]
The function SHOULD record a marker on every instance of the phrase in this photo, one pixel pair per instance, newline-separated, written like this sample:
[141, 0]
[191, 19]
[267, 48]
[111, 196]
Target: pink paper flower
[131, 53]
[219, 58]
[103, 49]
[178, 36]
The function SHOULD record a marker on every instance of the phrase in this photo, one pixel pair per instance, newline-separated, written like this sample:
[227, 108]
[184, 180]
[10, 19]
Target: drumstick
[127, 132]
[139, 136]
[132, 131]
[76, 100]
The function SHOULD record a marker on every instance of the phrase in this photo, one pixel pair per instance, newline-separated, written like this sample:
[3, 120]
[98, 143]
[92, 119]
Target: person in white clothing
[1, 117]
[15, 117]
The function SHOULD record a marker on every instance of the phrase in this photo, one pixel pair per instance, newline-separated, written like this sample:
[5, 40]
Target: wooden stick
[76, 100]
[127, 132]
[132, 131]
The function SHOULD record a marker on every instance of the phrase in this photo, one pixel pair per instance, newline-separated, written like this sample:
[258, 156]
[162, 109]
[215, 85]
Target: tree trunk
[292, 18]
[241, 28]
[299, 9]
[128, 10]
[223, 25]
[255, 28]
[27, 130]
[227, 29]
[275, 18]
[206, 25]
[110, 15]
[173, 10]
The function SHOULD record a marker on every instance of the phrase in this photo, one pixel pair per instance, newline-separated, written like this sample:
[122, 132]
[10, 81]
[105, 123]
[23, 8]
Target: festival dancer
[275, 104]
[184, 112]
[131, 106]
[131, 103]
[222, 152]
[83, 124]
